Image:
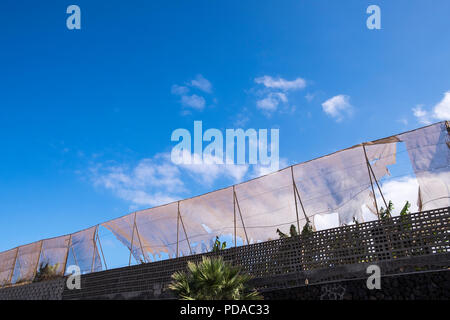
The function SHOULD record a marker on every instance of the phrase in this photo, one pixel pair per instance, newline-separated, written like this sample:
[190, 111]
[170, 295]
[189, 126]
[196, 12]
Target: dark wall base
[47, 290]
[417, 286]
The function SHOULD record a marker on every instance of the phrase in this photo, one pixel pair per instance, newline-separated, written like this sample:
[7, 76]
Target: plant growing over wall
[218, 246]
[304, 244]
[307, 229]
[212, 279]
[292, 232]
[387, 213]
[46, 272]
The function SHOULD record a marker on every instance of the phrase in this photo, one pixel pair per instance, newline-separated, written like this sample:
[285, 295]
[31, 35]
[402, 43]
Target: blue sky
[80, 110]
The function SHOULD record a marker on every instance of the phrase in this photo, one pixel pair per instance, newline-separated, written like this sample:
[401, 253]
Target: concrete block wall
[411, 286]
[46, 290]
[416, 286]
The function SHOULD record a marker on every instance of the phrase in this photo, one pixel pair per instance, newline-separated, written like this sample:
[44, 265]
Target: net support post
[14, 266]
[140, 242]
[132, 240]
[371, 173]
[67, 255]
[178, 229]
[184, 229]
[295, 199]
[94, 248]
[101, 250]
[38, 259]
[234, 217]
[240, 214]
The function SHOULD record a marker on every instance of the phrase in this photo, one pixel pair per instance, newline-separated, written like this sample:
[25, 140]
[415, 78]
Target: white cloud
[275, 92]
[259, 170]
[399, 191]
[309, 97]
[208, 170]
[193, 101]
[201, 83]
[441, 111]
[403, 121]
[280, 83]
[242, 118]
[338, 107]
[421, 114]
[151, 182]
[179, 90]
[267, 104]
[156, 181]
[270, 103]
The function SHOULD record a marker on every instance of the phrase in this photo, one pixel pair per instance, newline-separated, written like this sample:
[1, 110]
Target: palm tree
[212, 279]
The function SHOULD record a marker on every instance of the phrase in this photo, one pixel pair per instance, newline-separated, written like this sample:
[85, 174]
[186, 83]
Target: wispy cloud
[210, 169]
[338, 107]
[201, 83]
[441, 111]
[280, 83]
[421, 114]
[309, 97]
[155, 181]
[398, 190]
[275, 93]
[259, 170]
[151, 182]
[271, 101]
[179, 90]
[403, 121]
[193, 101]
[241, 119]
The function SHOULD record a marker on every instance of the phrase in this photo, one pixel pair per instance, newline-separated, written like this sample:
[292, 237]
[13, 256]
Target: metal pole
[132, 240]
[101, 250]
[371, 183]
[95, 248]
[301, 203]
[242, 220]
[234, 212]
[178, 228]
[14, 266]
[295, 198]
[139, 238]
[184, 229]
[67, 255]
[39, 258]
[379, 188]
[74, 256]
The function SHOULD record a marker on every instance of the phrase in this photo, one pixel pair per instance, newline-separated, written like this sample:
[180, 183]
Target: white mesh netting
[7, 261]
[252, 211]
[429, 151]
[26, 262]
[54, 253]
[83, 251]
